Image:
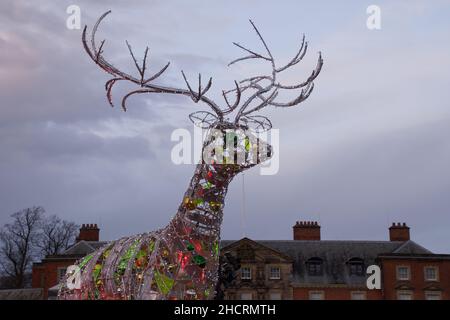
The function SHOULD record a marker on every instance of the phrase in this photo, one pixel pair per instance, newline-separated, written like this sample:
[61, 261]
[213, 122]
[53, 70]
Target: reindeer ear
[257, 123]
[203, 119]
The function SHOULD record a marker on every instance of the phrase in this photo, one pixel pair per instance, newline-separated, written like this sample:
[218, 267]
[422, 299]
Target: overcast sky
[369, 147]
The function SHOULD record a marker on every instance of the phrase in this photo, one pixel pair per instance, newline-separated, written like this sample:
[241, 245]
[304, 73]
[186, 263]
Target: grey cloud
[369, 147]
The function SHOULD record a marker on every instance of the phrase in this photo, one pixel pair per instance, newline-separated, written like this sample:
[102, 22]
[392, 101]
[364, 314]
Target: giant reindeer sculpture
[180, 261]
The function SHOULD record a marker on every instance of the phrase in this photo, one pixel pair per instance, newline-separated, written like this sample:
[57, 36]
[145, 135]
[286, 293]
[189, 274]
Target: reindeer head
[251, 96]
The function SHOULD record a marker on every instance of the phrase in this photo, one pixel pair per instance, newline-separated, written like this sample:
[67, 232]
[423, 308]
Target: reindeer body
[181, 260]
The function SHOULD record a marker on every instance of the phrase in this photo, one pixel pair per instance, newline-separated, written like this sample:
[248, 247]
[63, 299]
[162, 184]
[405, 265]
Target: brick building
[336, 270]
[48, 272]
[421, 276]
[265, 273]
[306, 267]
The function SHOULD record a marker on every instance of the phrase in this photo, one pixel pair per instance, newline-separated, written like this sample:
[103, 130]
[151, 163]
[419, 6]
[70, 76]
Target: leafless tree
[56, 235]
[18, 243]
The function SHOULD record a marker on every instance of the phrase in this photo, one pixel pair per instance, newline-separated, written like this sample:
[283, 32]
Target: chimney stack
[89, 232]
[306, 230]
[398, 232]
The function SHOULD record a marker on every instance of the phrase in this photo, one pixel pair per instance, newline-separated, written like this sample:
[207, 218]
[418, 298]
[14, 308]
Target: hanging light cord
[243, 208]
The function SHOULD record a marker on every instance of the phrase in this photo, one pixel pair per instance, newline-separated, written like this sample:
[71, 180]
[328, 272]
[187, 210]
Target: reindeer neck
[200, 213]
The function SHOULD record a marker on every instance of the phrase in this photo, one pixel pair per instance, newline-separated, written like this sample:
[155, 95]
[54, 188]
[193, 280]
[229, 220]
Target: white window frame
[405, 292]
[408, 277]
[433, 293]
[275, 296]
[356, 267]
[247, 276]
[60, 273]
[274, 275]
[316, 292]
[363, 295]
[316, 265]
[436, 272]
[246, 296]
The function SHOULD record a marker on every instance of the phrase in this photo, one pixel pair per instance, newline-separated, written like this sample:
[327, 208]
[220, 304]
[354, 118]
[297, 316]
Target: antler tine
[108, 87]
[85, 45]
[144, 64]
[262, 40]
[156, 75]
[252, 80]
[208, 86]
[139, 91]
[199, 84]
[94, 29]
[302, 97]
[236, 102]
[91, 51]
[96, 55]
[311, 78]
[265, 102]
[257, 55]
[245, 58]
[253, 54]
[134, 60]
[255, 80]
[100, 51]
[298, 57]
[194, 96]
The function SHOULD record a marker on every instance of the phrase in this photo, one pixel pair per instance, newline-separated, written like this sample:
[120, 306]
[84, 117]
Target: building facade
[264, 273]
[336, 270]
[305, 268]
[418, 277]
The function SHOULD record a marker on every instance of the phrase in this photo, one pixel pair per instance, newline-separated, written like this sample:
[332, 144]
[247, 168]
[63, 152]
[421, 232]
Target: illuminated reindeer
[181, 260]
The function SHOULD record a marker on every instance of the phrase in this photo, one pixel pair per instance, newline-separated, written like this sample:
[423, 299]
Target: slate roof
[75, 251]
[84, 247]
[335, 255]
[22, 294]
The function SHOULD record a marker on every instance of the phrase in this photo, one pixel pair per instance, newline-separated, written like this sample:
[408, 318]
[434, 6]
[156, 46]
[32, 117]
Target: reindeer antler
[267, 94]
[145, 83]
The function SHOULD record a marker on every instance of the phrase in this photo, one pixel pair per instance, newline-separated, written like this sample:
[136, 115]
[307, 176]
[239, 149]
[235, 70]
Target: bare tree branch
[18, 241]
[56, 235]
